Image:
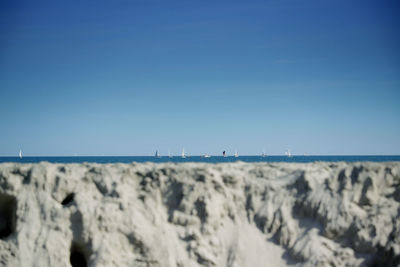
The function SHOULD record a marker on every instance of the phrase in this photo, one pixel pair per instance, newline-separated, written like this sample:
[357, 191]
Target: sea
[212, 159]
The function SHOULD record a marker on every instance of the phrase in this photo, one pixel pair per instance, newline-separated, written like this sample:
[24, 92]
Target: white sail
[20, 154]
[236, 154]
[183, 153]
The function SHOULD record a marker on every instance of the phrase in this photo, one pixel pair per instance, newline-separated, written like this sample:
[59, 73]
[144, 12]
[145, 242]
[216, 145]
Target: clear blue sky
[130, 77]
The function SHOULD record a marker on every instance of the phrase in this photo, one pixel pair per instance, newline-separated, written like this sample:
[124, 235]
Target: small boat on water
[206, 156]
[183, 153]
[20, 154]
[157, 155]
[224, 154]
[263, 154]
[288, 153]
[236, 155]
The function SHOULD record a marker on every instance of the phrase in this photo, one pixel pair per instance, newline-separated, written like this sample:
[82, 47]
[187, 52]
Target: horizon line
[202, 155]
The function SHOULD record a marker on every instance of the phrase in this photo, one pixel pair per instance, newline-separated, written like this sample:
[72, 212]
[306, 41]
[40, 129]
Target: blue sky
[130, 77]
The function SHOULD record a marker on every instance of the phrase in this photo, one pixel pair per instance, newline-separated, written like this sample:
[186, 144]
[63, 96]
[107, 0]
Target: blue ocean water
[212, 159]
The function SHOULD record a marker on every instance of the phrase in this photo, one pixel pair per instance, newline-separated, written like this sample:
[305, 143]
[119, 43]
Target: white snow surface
[199, 214]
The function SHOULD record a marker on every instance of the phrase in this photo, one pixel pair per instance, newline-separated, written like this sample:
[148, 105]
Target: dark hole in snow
[68, 199]
[77, 258]
[8, 211]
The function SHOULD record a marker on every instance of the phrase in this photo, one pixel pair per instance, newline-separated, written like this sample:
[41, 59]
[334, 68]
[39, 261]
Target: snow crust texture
[199, 214]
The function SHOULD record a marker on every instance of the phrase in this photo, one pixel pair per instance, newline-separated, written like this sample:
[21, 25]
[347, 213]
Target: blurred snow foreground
[198, 214]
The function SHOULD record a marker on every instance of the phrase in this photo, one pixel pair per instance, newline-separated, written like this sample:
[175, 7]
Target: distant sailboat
[157, 154]
[169, 154]
[236, 154]
[288, 153]
[20, 154]
[183, 153]
[224, 154]
[263, 154]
